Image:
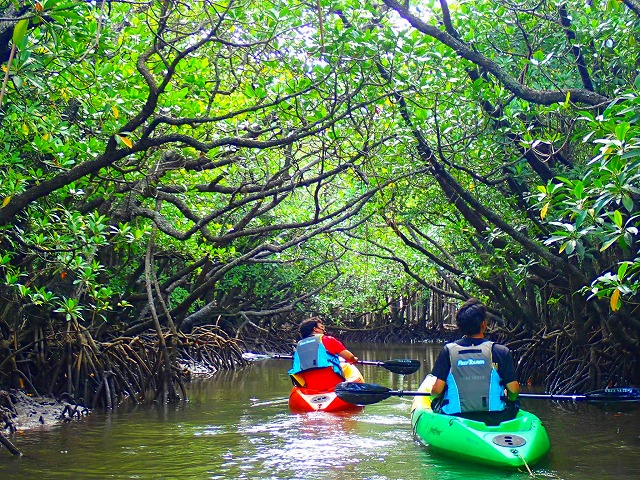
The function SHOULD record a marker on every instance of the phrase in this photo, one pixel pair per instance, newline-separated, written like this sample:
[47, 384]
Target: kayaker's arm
[438, 388]
[513, 390]
[348, 356]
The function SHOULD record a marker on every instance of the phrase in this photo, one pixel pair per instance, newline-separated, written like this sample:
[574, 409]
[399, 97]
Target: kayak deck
[303, 399]
[513, 443]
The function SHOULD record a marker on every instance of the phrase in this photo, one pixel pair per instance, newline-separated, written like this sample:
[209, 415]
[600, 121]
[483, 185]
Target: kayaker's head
[471, 318]
[311, 326]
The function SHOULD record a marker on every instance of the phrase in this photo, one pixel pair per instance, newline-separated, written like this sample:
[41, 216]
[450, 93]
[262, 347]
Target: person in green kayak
[476, 377]
[316, 361]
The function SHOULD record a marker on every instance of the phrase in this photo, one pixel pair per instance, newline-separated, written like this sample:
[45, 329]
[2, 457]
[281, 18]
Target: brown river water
[236, 425]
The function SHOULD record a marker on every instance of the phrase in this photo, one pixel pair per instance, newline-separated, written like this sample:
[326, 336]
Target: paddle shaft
[541, 396]
[575, 398]
[361, 362]
[363, 393]
[549, 396]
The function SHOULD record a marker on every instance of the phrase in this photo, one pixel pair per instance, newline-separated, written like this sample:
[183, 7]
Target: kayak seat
[519, 423]
[491, 419]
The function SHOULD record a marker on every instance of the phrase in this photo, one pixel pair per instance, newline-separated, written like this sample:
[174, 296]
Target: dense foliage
[167, 166]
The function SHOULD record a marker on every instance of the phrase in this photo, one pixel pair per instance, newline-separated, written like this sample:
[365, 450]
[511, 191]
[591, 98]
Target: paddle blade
[253, 357]
[402, 366]
[361, 393]
[615, 395]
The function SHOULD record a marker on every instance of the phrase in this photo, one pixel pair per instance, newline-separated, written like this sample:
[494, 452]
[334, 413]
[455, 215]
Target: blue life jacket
[311, 353]
[473, 383]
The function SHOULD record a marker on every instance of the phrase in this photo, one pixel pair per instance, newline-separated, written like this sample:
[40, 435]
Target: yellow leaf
[126, 141]
[25, 129]
[543, 212]
[6, 201]
[615, 300]
[115, 111]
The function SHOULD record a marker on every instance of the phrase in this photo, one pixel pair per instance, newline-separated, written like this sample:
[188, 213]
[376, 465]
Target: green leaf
[579, 220]
[621, 130]
[60, 15]
[421, 113]
[555, 238]
[617, 218]
[631, 153]
[20, 30]
[627, 201]
[17, 81]
[622, 269]
[51, 4]
[538, 57]
[608, 243]
[570, 247]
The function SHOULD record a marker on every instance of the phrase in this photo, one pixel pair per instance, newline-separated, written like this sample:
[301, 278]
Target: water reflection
[299, 445]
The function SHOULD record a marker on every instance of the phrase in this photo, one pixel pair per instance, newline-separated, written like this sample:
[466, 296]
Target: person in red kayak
[316, 361]
[476, 377]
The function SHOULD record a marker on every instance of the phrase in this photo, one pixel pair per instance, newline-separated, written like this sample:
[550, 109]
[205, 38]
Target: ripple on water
[210, 430]
[301, 446]
[385, 420]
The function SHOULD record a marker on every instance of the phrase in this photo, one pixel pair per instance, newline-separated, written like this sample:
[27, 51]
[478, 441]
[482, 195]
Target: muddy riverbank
[20, 411]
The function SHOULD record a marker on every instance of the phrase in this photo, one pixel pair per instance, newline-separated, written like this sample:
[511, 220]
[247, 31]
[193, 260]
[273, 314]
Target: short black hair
[470, 316]
[307, 326]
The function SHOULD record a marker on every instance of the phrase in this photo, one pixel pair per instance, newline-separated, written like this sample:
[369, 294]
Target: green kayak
[516, 443]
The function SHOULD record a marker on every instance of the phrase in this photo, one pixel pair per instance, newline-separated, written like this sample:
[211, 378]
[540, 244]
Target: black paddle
[402, 366]
[368, 393]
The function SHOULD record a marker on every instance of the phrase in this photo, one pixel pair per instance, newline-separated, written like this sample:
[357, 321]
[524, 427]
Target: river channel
[236, 425]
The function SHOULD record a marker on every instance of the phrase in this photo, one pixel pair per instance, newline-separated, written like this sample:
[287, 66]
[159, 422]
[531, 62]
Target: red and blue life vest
[311, 354]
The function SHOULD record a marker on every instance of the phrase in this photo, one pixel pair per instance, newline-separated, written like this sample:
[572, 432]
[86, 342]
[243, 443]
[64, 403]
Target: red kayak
[303, 399]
